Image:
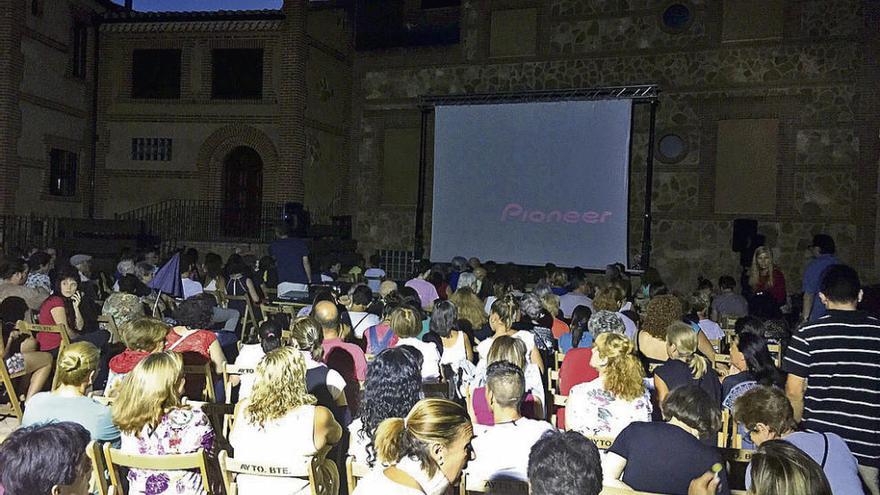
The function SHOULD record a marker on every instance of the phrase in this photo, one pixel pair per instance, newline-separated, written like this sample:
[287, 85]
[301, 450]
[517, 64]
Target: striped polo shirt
[839, 355]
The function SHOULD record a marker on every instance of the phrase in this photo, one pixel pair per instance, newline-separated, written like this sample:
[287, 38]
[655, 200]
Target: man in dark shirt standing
[834, 375]
[292, 260]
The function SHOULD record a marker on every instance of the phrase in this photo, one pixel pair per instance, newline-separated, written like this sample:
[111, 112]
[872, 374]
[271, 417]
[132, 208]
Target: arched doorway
[242, 192]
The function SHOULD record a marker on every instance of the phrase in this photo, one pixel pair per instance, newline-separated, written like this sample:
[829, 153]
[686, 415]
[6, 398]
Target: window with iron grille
[151, 149]
[80, 49]
[62, 172]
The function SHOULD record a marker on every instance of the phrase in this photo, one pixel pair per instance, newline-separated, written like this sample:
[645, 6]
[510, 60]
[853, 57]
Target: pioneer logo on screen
[514, 212]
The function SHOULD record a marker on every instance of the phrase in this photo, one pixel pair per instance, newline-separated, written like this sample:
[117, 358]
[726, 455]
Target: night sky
[177, 5]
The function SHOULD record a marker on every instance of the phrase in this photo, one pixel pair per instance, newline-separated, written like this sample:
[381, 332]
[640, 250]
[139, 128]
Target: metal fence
[398, 265]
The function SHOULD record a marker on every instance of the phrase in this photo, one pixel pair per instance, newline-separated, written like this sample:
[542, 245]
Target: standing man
[292, 260]
[823, 250]
[833, 376]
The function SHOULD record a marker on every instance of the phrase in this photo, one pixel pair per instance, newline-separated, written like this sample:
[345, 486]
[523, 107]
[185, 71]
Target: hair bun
[70, 363]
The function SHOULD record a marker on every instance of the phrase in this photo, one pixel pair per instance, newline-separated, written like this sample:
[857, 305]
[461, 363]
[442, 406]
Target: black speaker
[297, 218]
[744, 232]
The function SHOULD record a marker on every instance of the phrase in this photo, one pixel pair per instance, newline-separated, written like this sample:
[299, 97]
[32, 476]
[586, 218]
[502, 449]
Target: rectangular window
[155, 74]
[62, 172]
[237, 73]
[80, 49]
[151, 149]
[37, 8]
[439, 4]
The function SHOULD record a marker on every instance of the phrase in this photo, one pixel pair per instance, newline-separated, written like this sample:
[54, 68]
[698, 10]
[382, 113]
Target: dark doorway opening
[242, 193]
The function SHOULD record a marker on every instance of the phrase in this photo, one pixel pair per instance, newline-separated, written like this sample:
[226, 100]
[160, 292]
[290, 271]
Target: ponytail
[76, 362]
[698, 364]
[684, 338]
[507, 310]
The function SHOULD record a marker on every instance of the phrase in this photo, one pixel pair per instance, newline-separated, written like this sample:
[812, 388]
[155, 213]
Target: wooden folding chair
[108, 323]
[98, 483]
[271, 294]
[469, 484]
[558, 401]
[776, 352]
[724, 434]
[249, 318]
[206, 371]
[230, 370]
[354, 471]
[721, 361]
[14, 406]
[33, 328]
[320, 472]
[602, 442]
[197, 460]
[558, 357]
[436, 390]
[553, 382]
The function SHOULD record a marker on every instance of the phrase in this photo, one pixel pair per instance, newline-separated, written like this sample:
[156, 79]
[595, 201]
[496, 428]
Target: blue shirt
[813, 281]
[565, 341]
[289, 254]
[95, 417]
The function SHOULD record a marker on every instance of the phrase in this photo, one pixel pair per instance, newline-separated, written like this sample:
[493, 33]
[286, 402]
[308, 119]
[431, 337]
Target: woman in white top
[608, 404]
[392, 389]
[279, 424]
[505, 312]
[407, 325]
[252, 352]
[454, 344]
[425, 452]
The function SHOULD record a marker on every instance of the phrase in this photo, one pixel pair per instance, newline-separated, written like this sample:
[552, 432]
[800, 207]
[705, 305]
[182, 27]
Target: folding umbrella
[167, 280]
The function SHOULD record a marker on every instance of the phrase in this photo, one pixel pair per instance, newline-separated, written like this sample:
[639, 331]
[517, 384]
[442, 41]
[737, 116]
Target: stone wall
[814, 78]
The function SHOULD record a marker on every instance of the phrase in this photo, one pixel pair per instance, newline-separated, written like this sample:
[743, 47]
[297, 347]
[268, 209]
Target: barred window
[62, 172]
[151, 149]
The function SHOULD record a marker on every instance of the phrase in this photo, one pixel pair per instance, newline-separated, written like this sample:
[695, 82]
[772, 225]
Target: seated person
[142, 337]
[280, 422]
[265, 340]
[407, 325]
[325, 384]
[767, 414]
[512, 350]
[77, 365]
[728, 304]
[502, 450]
[197, 345]
[685, 366]
[700, 308]
[608, 404]
[361, 320]
[780, 467]
[65, 307]
[662, 457]
[46, 459]
[504, 315]
[564, 463]
[20, 350]
[578, 335]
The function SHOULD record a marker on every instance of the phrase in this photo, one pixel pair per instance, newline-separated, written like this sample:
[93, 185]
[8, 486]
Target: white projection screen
[532, 183]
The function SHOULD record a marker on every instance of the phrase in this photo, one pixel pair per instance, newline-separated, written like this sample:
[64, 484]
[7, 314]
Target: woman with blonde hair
[765, 278]
[326, 384]
[153, 420]
[512, 350]
[779, 467]
[425, 452]
[280, 422]
[608, 404]
[77, 366]
[470, 308]
[684, 366]
[406, 323]
[505, 312]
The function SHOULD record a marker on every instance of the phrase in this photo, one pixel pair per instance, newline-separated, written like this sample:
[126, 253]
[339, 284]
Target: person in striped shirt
[834, 372]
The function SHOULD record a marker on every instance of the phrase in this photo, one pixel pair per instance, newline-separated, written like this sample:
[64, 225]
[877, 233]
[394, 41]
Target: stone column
[12, 20]
[292, 100]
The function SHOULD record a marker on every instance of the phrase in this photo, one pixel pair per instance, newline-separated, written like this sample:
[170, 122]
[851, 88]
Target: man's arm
[794, 389]
[308, 268]
[808, 306]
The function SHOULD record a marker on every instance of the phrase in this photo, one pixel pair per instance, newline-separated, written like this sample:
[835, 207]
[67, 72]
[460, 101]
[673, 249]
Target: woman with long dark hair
[751, 365]
[579, 335]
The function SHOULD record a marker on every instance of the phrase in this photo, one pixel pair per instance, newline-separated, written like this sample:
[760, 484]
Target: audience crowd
[570, 381]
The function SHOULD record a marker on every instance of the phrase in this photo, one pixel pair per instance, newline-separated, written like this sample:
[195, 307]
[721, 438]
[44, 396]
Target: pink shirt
[339, 362]
[427, 291]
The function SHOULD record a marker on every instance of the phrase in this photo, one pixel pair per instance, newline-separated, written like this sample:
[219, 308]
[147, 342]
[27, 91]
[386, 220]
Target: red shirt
[559, 327]
[575, 370]
[778, 289]
[49, 341]
[356, 365]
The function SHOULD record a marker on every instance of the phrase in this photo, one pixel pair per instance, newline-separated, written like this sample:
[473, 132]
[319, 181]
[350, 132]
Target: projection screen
[532, 183]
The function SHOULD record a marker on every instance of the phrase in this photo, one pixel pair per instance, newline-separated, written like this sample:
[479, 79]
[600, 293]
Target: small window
[62, 172]
[80, 49]
[237, 73]
[677, 17]
[439, 4]
[151, 149]
[37, 8]
[671, 148]
[155, 74]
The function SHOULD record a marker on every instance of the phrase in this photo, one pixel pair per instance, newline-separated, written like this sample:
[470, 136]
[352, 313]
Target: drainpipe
[96, 21]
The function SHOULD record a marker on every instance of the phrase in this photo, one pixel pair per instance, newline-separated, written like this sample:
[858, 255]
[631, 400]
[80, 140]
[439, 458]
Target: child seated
[142, 337]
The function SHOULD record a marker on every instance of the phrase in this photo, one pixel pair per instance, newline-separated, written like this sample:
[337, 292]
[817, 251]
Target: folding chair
[724, 434]
[108, 323]
[115, 457]
[206, 371]
[320, 472]
[354, 471]
[721, 361]
[558, 401]
[469, 484]
[602, 442]
[33, 328]
[436, 390]
[14, 406]
[776, 352]
[230, 370]
[98, 484]
[249, 318]
[558, 357]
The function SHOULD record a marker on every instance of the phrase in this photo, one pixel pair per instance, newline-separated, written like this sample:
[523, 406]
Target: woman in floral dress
[149, 413]
[608, 404]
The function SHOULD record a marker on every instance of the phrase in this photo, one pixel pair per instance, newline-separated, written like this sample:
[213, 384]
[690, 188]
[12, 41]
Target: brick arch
[217, 147]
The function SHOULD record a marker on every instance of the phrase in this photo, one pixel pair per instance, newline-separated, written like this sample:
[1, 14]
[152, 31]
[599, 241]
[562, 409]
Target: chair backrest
[249, 318]
[602, 442]
[720, 361]
[470, 484]
[438, 390]
[14, 406]
[724, 434]
[737, 456]
[354, 471]
[776, 352]
[33, 328]
[230, 370]
[197, 460]
[98, 483]
[323, 478]
[553, 381]
[206, 371]
[558, 357]
[109, 324]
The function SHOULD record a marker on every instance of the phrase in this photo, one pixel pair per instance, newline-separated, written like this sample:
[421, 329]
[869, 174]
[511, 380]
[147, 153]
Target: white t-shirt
[430, 355]
[191, 287]
[527, 338]
[377, 483]
[374, 278]
[335, 383]
[503, 450]
[361, 321]
[287, 441]
[711, 329]
[571, 300]
[249, 356]
[455, 354]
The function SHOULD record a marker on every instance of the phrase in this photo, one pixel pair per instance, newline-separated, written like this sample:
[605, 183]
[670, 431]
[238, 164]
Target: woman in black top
[685, 367]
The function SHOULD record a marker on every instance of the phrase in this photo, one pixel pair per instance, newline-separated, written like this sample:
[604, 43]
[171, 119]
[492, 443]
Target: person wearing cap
[822, 250]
